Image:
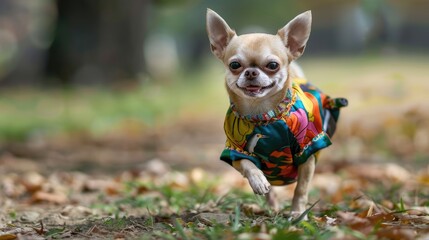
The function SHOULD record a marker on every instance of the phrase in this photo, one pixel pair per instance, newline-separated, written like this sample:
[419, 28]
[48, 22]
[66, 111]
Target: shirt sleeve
[231, 153]
[319, 142]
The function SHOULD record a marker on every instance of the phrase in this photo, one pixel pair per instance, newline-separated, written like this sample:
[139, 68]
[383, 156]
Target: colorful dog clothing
[278, 141]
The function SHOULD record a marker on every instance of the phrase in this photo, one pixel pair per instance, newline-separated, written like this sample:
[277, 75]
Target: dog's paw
[295, 215]
[258, 181]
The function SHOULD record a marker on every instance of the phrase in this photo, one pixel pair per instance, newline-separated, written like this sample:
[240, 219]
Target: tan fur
[264, 92]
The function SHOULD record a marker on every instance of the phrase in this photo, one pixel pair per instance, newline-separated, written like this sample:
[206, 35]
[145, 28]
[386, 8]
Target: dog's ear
[295, 34]
[220, 34]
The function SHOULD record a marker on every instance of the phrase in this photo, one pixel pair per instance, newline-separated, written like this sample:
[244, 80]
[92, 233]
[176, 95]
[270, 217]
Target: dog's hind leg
[272, 200]
[300, 197]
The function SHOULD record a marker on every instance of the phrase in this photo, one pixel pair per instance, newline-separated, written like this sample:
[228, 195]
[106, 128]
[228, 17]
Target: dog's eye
[234, 65]
[272, 66]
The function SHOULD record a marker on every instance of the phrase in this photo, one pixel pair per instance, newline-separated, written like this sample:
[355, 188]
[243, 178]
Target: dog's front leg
[254, 175]
[300, 197]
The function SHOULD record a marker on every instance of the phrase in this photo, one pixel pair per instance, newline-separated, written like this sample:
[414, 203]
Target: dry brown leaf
[8, 237]
[95, 229]
[120, 236]
[142, 189]
[109, 186]
[348, 187]
[396, 173]
[382, 217]
[419, 211]
[329, 183]
[196, 175]
[33, 181]
[57, 198]
[390, 171]
[387, 204]
[256, 236]
[30, 216]
[76, 212]
[11, 188]
[252, 209]
[210, 218]
[424, 179]
[353, 221]
[397, 233]
[155, 167]
[178, 181]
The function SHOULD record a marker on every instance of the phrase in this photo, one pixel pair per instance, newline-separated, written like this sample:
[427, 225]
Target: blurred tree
[97, 41]
[25, 36]
[412, 26]
[339, 26]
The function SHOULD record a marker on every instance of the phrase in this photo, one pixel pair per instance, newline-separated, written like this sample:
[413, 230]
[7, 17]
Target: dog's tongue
[252, 88]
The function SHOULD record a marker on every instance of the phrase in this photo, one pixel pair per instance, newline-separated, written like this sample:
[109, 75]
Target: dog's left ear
[295, 34]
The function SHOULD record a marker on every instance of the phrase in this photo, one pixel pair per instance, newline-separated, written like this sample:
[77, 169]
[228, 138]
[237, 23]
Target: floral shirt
[278, 141]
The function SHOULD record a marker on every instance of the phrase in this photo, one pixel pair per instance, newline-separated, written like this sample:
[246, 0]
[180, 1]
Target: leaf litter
[133, 206]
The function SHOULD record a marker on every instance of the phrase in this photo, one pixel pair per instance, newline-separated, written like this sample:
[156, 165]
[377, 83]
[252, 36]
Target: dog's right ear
[220, 34]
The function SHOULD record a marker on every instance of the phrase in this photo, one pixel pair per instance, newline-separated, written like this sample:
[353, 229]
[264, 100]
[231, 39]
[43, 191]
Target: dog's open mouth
[253, 90]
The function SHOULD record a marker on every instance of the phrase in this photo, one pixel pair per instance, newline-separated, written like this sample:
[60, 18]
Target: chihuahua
[277, 122]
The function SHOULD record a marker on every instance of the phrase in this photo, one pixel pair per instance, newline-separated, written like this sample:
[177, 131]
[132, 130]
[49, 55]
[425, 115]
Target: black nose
[251, 74]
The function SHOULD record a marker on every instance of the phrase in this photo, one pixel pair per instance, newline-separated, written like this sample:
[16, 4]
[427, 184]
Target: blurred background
[84, 82]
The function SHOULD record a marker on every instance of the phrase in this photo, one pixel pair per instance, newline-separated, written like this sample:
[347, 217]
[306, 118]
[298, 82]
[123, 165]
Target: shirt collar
[282, 108]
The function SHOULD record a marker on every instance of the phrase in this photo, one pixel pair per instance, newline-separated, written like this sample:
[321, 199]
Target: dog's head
[257, 64]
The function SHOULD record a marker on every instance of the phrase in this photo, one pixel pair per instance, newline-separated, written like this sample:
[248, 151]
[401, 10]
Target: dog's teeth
[253, 89]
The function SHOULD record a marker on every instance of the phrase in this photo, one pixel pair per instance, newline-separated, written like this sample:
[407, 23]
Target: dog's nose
[251, 74]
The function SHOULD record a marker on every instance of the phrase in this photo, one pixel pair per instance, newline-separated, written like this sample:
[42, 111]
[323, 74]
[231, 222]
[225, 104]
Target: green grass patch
[33, 112]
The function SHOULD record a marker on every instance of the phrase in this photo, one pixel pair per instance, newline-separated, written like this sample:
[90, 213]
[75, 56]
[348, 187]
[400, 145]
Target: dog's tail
[332, 112]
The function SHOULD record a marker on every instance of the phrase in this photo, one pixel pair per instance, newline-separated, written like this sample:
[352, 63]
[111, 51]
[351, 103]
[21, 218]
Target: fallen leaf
[30, 216]
[33, 181]
[8, 237]
[109, 186]
[424, 179]
[252, 209]
[96, 230]
[390, 171]
[178, 181]
[76, 212]
[419, 211]
[348, 187]
[155, 167]
[57, 198]
[354, 222]
[329, 183]
[11, 188]
[212, 218]
[382, 217]
[258, 236]
[396, 234]
[196, 175]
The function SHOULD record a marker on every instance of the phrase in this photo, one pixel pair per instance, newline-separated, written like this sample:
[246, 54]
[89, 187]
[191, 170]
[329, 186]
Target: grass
[29, 112]
[176, 214]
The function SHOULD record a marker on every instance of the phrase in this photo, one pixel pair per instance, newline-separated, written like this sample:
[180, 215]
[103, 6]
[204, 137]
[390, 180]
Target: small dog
[277, 121]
